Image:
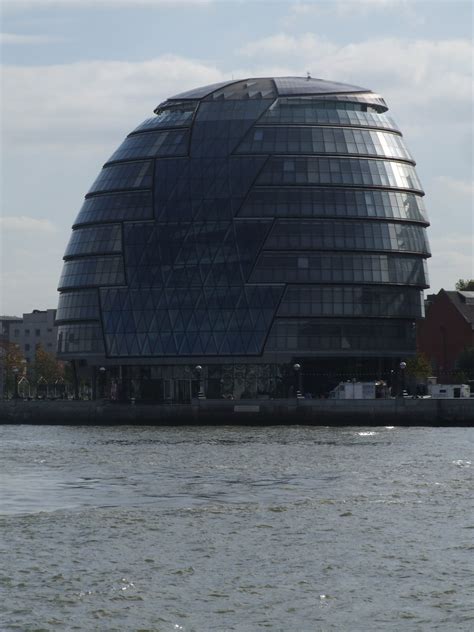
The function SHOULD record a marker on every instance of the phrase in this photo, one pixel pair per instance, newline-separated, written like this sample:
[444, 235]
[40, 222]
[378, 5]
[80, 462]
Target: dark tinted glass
[320, 202]
[170, 115]
[349, 235]
[251, 89]
[199, 93]
[92, 272]
[131, 175]
[78, 339]
[315, 111]
[286, 267]
[340, 336]
[82, 305]
[362, 300]
[353, 171]
[310, 85]
[116, 206]
[194, 321]
[151, 144]
[95, 240]
[323, 140]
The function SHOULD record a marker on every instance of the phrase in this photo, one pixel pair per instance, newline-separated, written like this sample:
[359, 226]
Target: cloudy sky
[78, 75]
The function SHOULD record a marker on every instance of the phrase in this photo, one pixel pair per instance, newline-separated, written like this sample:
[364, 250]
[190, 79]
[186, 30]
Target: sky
[79, 75]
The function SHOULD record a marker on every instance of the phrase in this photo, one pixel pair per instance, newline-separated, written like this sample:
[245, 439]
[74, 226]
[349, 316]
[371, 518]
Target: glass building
[251, 238]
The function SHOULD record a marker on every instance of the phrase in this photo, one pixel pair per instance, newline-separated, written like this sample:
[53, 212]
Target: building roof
[283, 86]
[464, 303]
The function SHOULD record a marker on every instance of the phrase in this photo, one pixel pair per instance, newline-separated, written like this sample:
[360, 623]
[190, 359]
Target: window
[27, 332]
[38, 332]
[16, 333]
[27, 347]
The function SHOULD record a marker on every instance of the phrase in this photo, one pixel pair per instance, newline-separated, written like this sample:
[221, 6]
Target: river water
[287, 528]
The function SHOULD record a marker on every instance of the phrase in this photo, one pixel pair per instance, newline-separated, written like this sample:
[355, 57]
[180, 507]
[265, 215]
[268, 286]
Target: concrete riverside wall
[428, 412]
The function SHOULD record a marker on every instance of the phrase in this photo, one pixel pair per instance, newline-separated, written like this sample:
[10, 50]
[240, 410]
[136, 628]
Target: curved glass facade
[250, 223]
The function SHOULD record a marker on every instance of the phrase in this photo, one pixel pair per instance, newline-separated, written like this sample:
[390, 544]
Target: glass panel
[350, 235]
[75, 339]
[342, 336]
[151, 144]
[91, 272]
[345, 171]
[95, 240]
[334, 202]
[339, 268]
[131, 175]
[218, 321]
[323, 140]
[244, 90]
[116, 206]
[171, 114]
[316, 111]
[352, 300]
[83, 305]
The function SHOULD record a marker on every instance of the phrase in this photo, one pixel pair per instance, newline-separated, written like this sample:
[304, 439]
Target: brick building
[447, 329]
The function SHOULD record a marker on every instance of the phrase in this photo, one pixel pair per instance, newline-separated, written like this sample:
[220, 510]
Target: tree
[47, 367]
[465, 362]
[12, 366]
[419, 367]
[465, 285]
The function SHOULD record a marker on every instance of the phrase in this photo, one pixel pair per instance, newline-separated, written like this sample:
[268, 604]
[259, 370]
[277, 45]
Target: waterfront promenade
[399, 411]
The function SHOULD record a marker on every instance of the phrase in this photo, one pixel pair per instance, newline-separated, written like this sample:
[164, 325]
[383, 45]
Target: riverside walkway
[378, 412]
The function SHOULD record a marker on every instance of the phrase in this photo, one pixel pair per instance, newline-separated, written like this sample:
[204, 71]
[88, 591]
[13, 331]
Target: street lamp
[403, 366]
[297, 369]
[15, 389]
[102, 381]
[198, 369]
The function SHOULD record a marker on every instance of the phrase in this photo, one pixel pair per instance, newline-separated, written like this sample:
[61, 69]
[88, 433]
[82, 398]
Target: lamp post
[403, 366]
[102, 381]
[198, 369]
[297, 369]
[15, 388]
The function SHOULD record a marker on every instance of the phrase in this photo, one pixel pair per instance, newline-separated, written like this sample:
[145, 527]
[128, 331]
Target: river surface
[198, 529]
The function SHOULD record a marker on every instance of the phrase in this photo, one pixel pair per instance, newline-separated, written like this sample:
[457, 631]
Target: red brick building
[447, 330]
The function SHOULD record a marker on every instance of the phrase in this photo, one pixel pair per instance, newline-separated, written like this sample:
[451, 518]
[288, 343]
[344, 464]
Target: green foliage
[419, 367]
[466, 285]
[465, 362]
[46, 367]
[11, 359]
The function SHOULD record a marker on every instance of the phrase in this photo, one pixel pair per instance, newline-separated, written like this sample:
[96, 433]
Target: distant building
[7, 324]
[447, 330]
[34, 329]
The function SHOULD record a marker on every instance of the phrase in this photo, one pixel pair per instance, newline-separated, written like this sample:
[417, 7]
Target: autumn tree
[47, 367]
[12, 365]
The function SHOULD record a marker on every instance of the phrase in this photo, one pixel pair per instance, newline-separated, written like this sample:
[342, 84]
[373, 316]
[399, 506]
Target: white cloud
[70, 105]
[87, 4]
[410, 73]
[348, 9]
[26, 224]
[347, 6]
[456, 185]
[19, 39]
